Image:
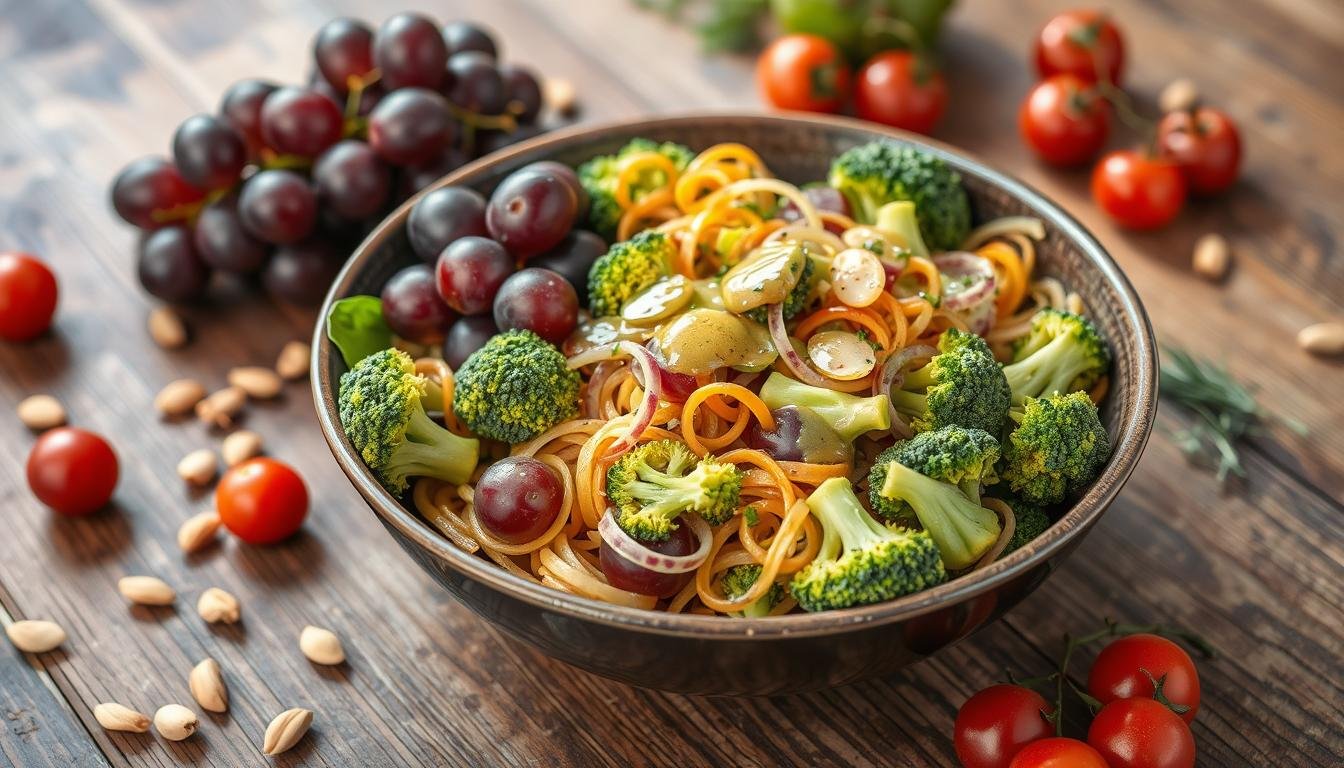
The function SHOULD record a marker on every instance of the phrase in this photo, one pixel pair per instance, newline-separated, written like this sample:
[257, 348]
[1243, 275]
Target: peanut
[167, 328]
[175, 722]
[286, 730]
[207, 686]
[259, 383]
[220, 407]
[32, 636]
[146, 590]
[198, 467]
[198, 531]
[41, 412]
[321, 646]
[1179, 95]
[177, 398]
[115, 717]
[1212, 256]
[1324, 339]
[293, 361]
[216, 606]
[240, 446]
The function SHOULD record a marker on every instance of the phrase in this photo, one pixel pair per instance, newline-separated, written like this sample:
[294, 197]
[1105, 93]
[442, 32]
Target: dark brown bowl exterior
[715, 655]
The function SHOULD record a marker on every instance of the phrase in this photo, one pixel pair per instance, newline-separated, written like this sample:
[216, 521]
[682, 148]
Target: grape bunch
[512, 261]
[283, 181]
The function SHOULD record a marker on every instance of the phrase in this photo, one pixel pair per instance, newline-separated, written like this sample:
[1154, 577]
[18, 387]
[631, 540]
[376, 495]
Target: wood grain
[93, 83]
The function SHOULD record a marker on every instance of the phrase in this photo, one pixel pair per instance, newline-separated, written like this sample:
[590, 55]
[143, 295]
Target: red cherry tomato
[1119, 672]
[27, 297]
[1205, 144]
[1064, 121]
[1141, 733]
[1082, 43]
[803, 72]
[73, 471]
[262, 501]
[900, 90]
[1138, 191]
[1057, 752]
[997, 722]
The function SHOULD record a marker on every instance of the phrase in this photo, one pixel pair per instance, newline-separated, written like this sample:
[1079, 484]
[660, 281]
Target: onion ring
[892, 376]
[794, 361]
[962, 264]
[653, 389]
[631, 549]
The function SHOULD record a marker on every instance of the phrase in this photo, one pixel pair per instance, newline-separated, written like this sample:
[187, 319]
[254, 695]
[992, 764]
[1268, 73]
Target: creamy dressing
[703, 340]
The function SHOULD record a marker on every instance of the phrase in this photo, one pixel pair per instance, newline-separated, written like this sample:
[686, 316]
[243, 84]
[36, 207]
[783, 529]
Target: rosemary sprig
[1225, 410]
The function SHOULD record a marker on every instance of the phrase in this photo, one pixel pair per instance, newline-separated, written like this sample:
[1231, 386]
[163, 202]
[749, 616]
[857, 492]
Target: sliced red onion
[653, 389]
[676, 387]
[893, 373]
[963, 264]
[591, 402]
[631, 549]
[792, 360]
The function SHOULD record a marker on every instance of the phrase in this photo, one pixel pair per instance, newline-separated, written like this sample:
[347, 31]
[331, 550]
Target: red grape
[208, 152]
[567, 174]
[470, 271]
[147, 189]
[442, 216]
[572, 257]
[822, 197]
[278, 206]
[28, 293]
[410, 126]
[351, 180]
[474, 84]
[413, 308]
[301, 273]
[623, 574]
[465, 336]
[540, 301]
[530, 211]
[169, 266]
[299, 121]
[783, 443]
[518, 499]
[241, 108]
[417, 177]
[343, 50]
[522, 92]
[409, 51]
[222, 241]
[459, 36]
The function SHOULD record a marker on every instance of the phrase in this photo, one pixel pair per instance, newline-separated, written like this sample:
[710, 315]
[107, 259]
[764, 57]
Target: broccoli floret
[382, 409]
[899, 219]
[962, 385]
[880, 172]
[740, 578]
[861, 561]
[1057, 448]
[1029, 521]
[598, 176]
[626, 269]
[962, 529]
[797, 300]
[1062, 353]
[963, 457]
[515, 387]
[656, 482]
[849, 415]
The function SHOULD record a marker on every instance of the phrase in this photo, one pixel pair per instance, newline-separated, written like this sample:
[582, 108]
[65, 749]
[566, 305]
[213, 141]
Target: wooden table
[1256, 567]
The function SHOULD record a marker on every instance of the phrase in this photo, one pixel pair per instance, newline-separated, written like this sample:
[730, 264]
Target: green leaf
[357, 328]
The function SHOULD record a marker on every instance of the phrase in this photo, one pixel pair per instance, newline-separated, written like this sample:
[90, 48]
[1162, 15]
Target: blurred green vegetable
[356, 325]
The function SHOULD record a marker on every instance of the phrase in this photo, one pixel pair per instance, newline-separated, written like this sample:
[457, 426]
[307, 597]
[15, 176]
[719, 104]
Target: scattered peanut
[33, 636]
[175, 722]
[1212, 256]
[41, 412]
[218, 607]
[146, 590]
[240, 446]
[1325, 339]
[115, 717]
[207, 686]
[198, 467]
[179, 397]
[167, 328]
[286, 730]
[220, 407]
[560, 96]
[321, 646]
[293, 361]
[1179, 95]
[259, 383]
[197, 531]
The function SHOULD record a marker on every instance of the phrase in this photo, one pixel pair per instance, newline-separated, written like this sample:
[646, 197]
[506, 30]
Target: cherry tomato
[27, 297]
[1141, 733]
[1205, 144]
[73, 471]
[1119, 672]
[1058, 752]
[262, 501]
[898, 89]
[803, 72]
[997, 722]
[1138, 191]
[1064, 120]
[1082, 43]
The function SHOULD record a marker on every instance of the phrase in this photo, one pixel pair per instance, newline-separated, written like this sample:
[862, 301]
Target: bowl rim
[1131, 437]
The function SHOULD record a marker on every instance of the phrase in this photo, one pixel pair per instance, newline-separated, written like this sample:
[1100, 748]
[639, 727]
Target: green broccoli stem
[845, 524]
[921, 378]
[849, 415]
[761, 607]
[672, 494]
[899, 218]
[430, 450]
[1048, 370]
[962, 529]
[909, 403]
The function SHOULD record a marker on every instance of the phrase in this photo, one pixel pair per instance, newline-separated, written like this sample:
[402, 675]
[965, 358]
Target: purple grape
[466, 336]
[413, 308]
[351, 180]
[474, 83]
[522, 92]
[409, 52]
[530, 211]
[572, 258]
[208, 152]
[410, 126]
[540, 301]
[241, 108]
[223, 242]
[169, 266]
[459, 36]
[823, 198]
[569, 176]
[442, 216]
[149, 188]
[343, 50]
[300, 121]
[470, 271]
[302, 272]
[278, 206]
[624, 574]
